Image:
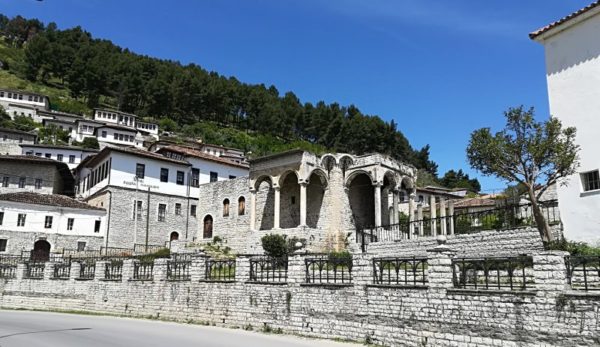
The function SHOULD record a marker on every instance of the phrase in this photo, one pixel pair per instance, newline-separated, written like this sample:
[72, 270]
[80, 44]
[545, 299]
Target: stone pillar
[277, 208]
[49, 270]
[377, 187]
[242, 269]
[252, 209]
[296, 269]
[451, 217]
[433, 215]
[443, 216]
[550, 272]
[411, 215]
[362, 269]
[127, 270]
[420, 219]
[75, 270]
[395, 208]
[303, 186]
[21, 267]
[439, 270]
[100, 270]
[198, 268]
[159, 271]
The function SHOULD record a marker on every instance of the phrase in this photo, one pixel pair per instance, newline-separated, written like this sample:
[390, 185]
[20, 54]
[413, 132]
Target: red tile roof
[199, 154]
[563, 20]
[134, 151]
[46, 199]
[474, 202]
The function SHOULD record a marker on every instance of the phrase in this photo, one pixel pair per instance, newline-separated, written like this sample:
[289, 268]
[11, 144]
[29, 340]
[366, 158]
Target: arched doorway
[208, 227]
[174, 236]
[289, 210]
[41, 251]
[315, 192]
[362, 200]
[265, 201]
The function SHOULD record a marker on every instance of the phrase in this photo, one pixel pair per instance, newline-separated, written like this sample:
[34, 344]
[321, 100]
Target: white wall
[83, 225]
[54, 152]
[110, 137]
[23, 98]
[573, 74]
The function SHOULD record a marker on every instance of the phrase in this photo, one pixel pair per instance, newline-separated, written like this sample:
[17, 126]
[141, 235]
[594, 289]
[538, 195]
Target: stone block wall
[437, 314]
[19, 241]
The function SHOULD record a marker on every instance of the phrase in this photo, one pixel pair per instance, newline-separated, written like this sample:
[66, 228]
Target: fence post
[159, 271]
[242, 268]
[550, 272]
[49, 270]
[198, 268]
[127, 270]
[439, 269]
[296, 269]
[75, 269]
[100, 270]
[21, 266]
[362, 269]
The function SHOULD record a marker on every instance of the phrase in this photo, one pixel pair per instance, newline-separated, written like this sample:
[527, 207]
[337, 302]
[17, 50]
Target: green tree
[533, 154]
[459, 179]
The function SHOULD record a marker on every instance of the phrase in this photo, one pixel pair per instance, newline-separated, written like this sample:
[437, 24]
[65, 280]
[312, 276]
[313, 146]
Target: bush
[343, 258]
[574, 248]
[275, 245]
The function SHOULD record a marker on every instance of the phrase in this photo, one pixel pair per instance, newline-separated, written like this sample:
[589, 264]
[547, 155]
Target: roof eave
[555, 28]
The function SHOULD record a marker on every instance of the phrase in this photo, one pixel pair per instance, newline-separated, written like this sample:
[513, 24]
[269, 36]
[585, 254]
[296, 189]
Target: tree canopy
[534, 154]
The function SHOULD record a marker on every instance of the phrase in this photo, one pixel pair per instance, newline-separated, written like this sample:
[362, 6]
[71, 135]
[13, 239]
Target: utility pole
[147, 219]
[135, 212]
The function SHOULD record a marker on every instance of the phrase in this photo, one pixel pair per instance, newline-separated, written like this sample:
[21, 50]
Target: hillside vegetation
[79, 72]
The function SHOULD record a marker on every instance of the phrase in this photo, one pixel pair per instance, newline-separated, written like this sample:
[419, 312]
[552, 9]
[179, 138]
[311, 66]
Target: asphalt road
[23, 328]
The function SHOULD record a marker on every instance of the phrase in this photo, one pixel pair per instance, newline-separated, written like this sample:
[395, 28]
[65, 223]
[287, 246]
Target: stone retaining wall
[433, 315]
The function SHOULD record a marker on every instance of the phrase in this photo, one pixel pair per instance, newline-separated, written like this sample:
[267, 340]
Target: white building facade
[572, 51]
[70, 155]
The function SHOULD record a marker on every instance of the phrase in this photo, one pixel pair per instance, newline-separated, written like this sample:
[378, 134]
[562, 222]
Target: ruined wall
[437, 314]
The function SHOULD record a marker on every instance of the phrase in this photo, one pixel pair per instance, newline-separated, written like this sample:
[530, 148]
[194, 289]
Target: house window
[38, 154]
[226, 208]
[195, 177]
[1, 217]
[137, 210]
[38, 183]
[241, 206]
[213, 176]
[231, 177]
[21, 219]
[590, 180]
[193, 210]
[48, 155]
[164, 175]
[48, 222]
[4, 181]
[3, 243]
[162, 212]
[180, 177]
[104, 133]
[421, 198]
[20, 140]
[59, 157]
[21, 182]
[97, 226]
[71, 159]
[70, 223]
[140, 170]
[80, 246]
[178, 209]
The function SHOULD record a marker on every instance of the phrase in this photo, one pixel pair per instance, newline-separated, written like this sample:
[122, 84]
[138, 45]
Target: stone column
[377, 187]
[451, 217]
[49, 270]
[439, 270]
[198, 268]
[100, 270]
[443, 215]
[395, 208]
[303, 186]
[75, 270]
[420, 219]
[411, 215]
[252, 209]
[159, 271]
[296, 269]
[550, 273]
[242, 268]
[277, 208]
[127, 269]
[433, 215]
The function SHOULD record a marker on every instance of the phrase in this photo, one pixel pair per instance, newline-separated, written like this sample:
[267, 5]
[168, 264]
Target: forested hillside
[87, 72]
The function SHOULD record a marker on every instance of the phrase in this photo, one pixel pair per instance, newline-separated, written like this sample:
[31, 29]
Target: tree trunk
[540, 221]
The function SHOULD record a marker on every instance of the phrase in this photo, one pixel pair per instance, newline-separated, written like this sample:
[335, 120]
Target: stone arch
[289, 211]
[173, 236]
[315, 192]
[285, 175]
[41, 250]
[226, 205]
[345, 162]
[356, 173]
[407, 184]
[328, 162]
[265, 203]
[241, 206]
[207, 229]
[362, 198]
[388, 189]
[257, 181]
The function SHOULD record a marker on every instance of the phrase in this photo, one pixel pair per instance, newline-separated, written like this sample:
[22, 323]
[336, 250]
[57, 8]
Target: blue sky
[439, 68]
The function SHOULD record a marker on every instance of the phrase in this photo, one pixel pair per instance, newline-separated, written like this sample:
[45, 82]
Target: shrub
[343, 258]
[574, 248]
[275, 245]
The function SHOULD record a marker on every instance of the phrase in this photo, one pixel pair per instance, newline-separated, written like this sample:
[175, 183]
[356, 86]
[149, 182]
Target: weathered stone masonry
[437, 315]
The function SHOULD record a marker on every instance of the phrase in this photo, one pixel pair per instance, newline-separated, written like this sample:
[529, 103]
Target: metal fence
[328, 269]
[400, 271]
[583, 272]
[220, 270]
[179, 269]
[8, 271]
[34, 270]
[269, 269]
[87, 269]
[62, 270]
[513, 273]
[143, 270]
[114, 270]
[141, 248]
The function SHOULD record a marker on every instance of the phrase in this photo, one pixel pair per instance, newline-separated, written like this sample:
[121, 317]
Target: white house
[118, 135]
[71, 155]
[31, 221]
[572, 51]
[20, 103]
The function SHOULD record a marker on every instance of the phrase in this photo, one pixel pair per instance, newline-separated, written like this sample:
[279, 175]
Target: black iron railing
[507, 273]
[268, 269]
[62, 270]
[143, 270]
[400, 271]
[178, 269]
[220, 270]
[8, 270]
[144, 249]
[116, 252]
[87, 269]
[34, 270]
[328, 269]
[583, 272]
[114, 270]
